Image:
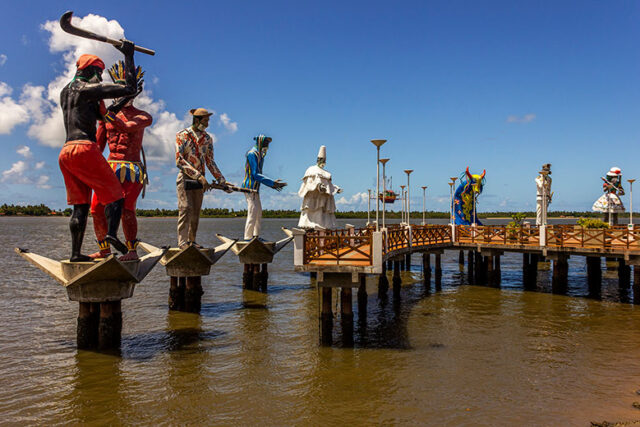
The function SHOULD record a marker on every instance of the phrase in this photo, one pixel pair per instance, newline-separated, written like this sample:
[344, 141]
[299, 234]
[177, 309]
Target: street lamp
[369, 207]
[408, 172]
[451, 211]
[378, 143]
[424, 198]
[384, 192]
[630, 181]
[404, 200]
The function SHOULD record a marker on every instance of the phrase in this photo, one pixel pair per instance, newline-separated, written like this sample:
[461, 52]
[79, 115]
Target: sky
[500, 86]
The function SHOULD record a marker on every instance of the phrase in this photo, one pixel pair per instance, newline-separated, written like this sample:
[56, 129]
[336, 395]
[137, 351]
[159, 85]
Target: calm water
[465, 355]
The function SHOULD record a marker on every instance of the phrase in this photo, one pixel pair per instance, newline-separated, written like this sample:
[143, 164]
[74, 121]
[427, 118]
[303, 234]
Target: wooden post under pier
[426, 269]
[346, 316]
[560, 278]
[326, 316]
[362, 299]
[624, 274]
[383, 282]
[461, 260]
[470, 264]
[397, 280]
[636, 284]
[438, 269]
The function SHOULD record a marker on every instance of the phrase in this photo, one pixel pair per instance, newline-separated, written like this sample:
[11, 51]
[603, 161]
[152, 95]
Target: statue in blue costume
[253, 177]
[466, 196]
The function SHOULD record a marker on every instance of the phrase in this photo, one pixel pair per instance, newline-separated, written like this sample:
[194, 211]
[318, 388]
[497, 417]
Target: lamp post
[630, 181]
[384, 192]
[408, 172]
[451, 211]
[378, 143]
[424, 198]
[403, 198]
[369, 207]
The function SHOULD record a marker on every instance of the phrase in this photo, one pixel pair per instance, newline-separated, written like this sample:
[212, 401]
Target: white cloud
[42, 182]
[25, 151]
[527, 118]
[356, 202]
[228, 124]
[39, 165]
[39, 105]
[16, 174]
[3, 59]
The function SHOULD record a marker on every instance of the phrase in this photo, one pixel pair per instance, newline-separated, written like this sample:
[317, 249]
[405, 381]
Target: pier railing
[355, 246]
[347, 246]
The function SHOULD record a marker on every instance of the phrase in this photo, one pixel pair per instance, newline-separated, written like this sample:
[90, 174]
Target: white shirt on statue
[318, 205]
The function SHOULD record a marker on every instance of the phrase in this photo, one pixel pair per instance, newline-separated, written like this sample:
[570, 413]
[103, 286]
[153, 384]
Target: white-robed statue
[543, 194]
[317, 191]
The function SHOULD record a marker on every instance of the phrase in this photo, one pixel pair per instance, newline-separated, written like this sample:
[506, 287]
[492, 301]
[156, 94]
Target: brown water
[465, 355]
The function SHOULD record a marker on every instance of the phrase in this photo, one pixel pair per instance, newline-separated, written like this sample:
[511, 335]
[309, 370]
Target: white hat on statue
[614, 171]
[322, 153]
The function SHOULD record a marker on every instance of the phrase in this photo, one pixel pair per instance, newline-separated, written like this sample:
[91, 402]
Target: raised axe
[67, 27]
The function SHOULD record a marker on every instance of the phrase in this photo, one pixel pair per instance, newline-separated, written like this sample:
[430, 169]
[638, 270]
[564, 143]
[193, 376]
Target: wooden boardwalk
[353, 249]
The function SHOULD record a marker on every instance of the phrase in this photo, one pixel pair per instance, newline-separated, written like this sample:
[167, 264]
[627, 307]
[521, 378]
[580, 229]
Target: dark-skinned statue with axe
[124, 135]
[81, 161]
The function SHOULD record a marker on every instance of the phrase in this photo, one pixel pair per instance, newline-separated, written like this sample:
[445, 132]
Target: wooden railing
[353, 246]
[425, 235]
[618, 237]
[347, 246]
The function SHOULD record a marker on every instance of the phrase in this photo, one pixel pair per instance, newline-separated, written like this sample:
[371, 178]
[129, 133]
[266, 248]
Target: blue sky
[501, 86]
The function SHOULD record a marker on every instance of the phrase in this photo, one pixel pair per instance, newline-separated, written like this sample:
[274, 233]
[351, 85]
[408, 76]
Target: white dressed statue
[317, 191]
[543, 194]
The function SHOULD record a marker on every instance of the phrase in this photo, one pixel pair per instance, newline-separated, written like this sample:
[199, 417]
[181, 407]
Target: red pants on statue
[129, 222]
[84, 169]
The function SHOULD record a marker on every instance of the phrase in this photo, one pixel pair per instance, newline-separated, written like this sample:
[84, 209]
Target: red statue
[124, 135]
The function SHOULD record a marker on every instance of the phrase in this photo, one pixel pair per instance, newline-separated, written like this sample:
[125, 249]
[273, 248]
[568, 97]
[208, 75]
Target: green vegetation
[592, 223]
[517, 217]
[514, 226]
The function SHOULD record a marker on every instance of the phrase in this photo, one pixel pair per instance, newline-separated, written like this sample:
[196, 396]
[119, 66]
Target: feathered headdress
[117, 73]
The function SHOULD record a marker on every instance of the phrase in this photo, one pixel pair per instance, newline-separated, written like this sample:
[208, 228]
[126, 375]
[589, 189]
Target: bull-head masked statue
[466, 194]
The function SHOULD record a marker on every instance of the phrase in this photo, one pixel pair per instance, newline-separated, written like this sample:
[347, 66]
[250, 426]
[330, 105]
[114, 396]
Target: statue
[124, 135]
[609, 203]
[83, 166]
[318, 205]
[253, 177]
[543, 194]
[465, 198]
[194, 151]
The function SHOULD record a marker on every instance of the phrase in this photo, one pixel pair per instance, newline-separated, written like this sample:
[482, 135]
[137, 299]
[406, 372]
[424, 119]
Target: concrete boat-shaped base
[190, 262]
[96, 281]
[256, 251]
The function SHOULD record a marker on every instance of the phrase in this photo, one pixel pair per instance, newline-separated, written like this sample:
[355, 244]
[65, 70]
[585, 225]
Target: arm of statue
[110, 91]
[101, 136]
[255, 175]
[137, 122]
[211, 164]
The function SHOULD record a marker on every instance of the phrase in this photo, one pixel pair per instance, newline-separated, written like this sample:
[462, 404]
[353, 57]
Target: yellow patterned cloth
[128, 171]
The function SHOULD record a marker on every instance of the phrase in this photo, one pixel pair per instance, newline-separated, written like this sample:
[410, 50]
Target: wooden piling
[264, 277]
[346, 316]
[193, 294]
[491, 279]
[396, 281]
[426, 268]
[407, 261]
[326, 317]
[461, 260]
[636, 284]
[470, 265]
[87, 330]
[362, 299]
[383, 282]
[624, 274]
[594, 274]
[480, 273]
[559, 281]
[497, 271]
[247, 276]
[176, 293]
[438, 268]
[110, 325]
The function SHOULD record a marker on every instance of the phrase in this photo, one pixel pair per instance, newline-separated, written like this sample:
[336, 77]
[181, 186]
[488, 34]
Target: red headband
[87, 60]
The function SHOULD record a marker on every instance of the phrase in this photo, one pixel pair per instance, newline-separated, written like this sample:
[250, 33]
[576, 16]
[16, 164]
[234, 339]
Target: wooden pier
[343, 258]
